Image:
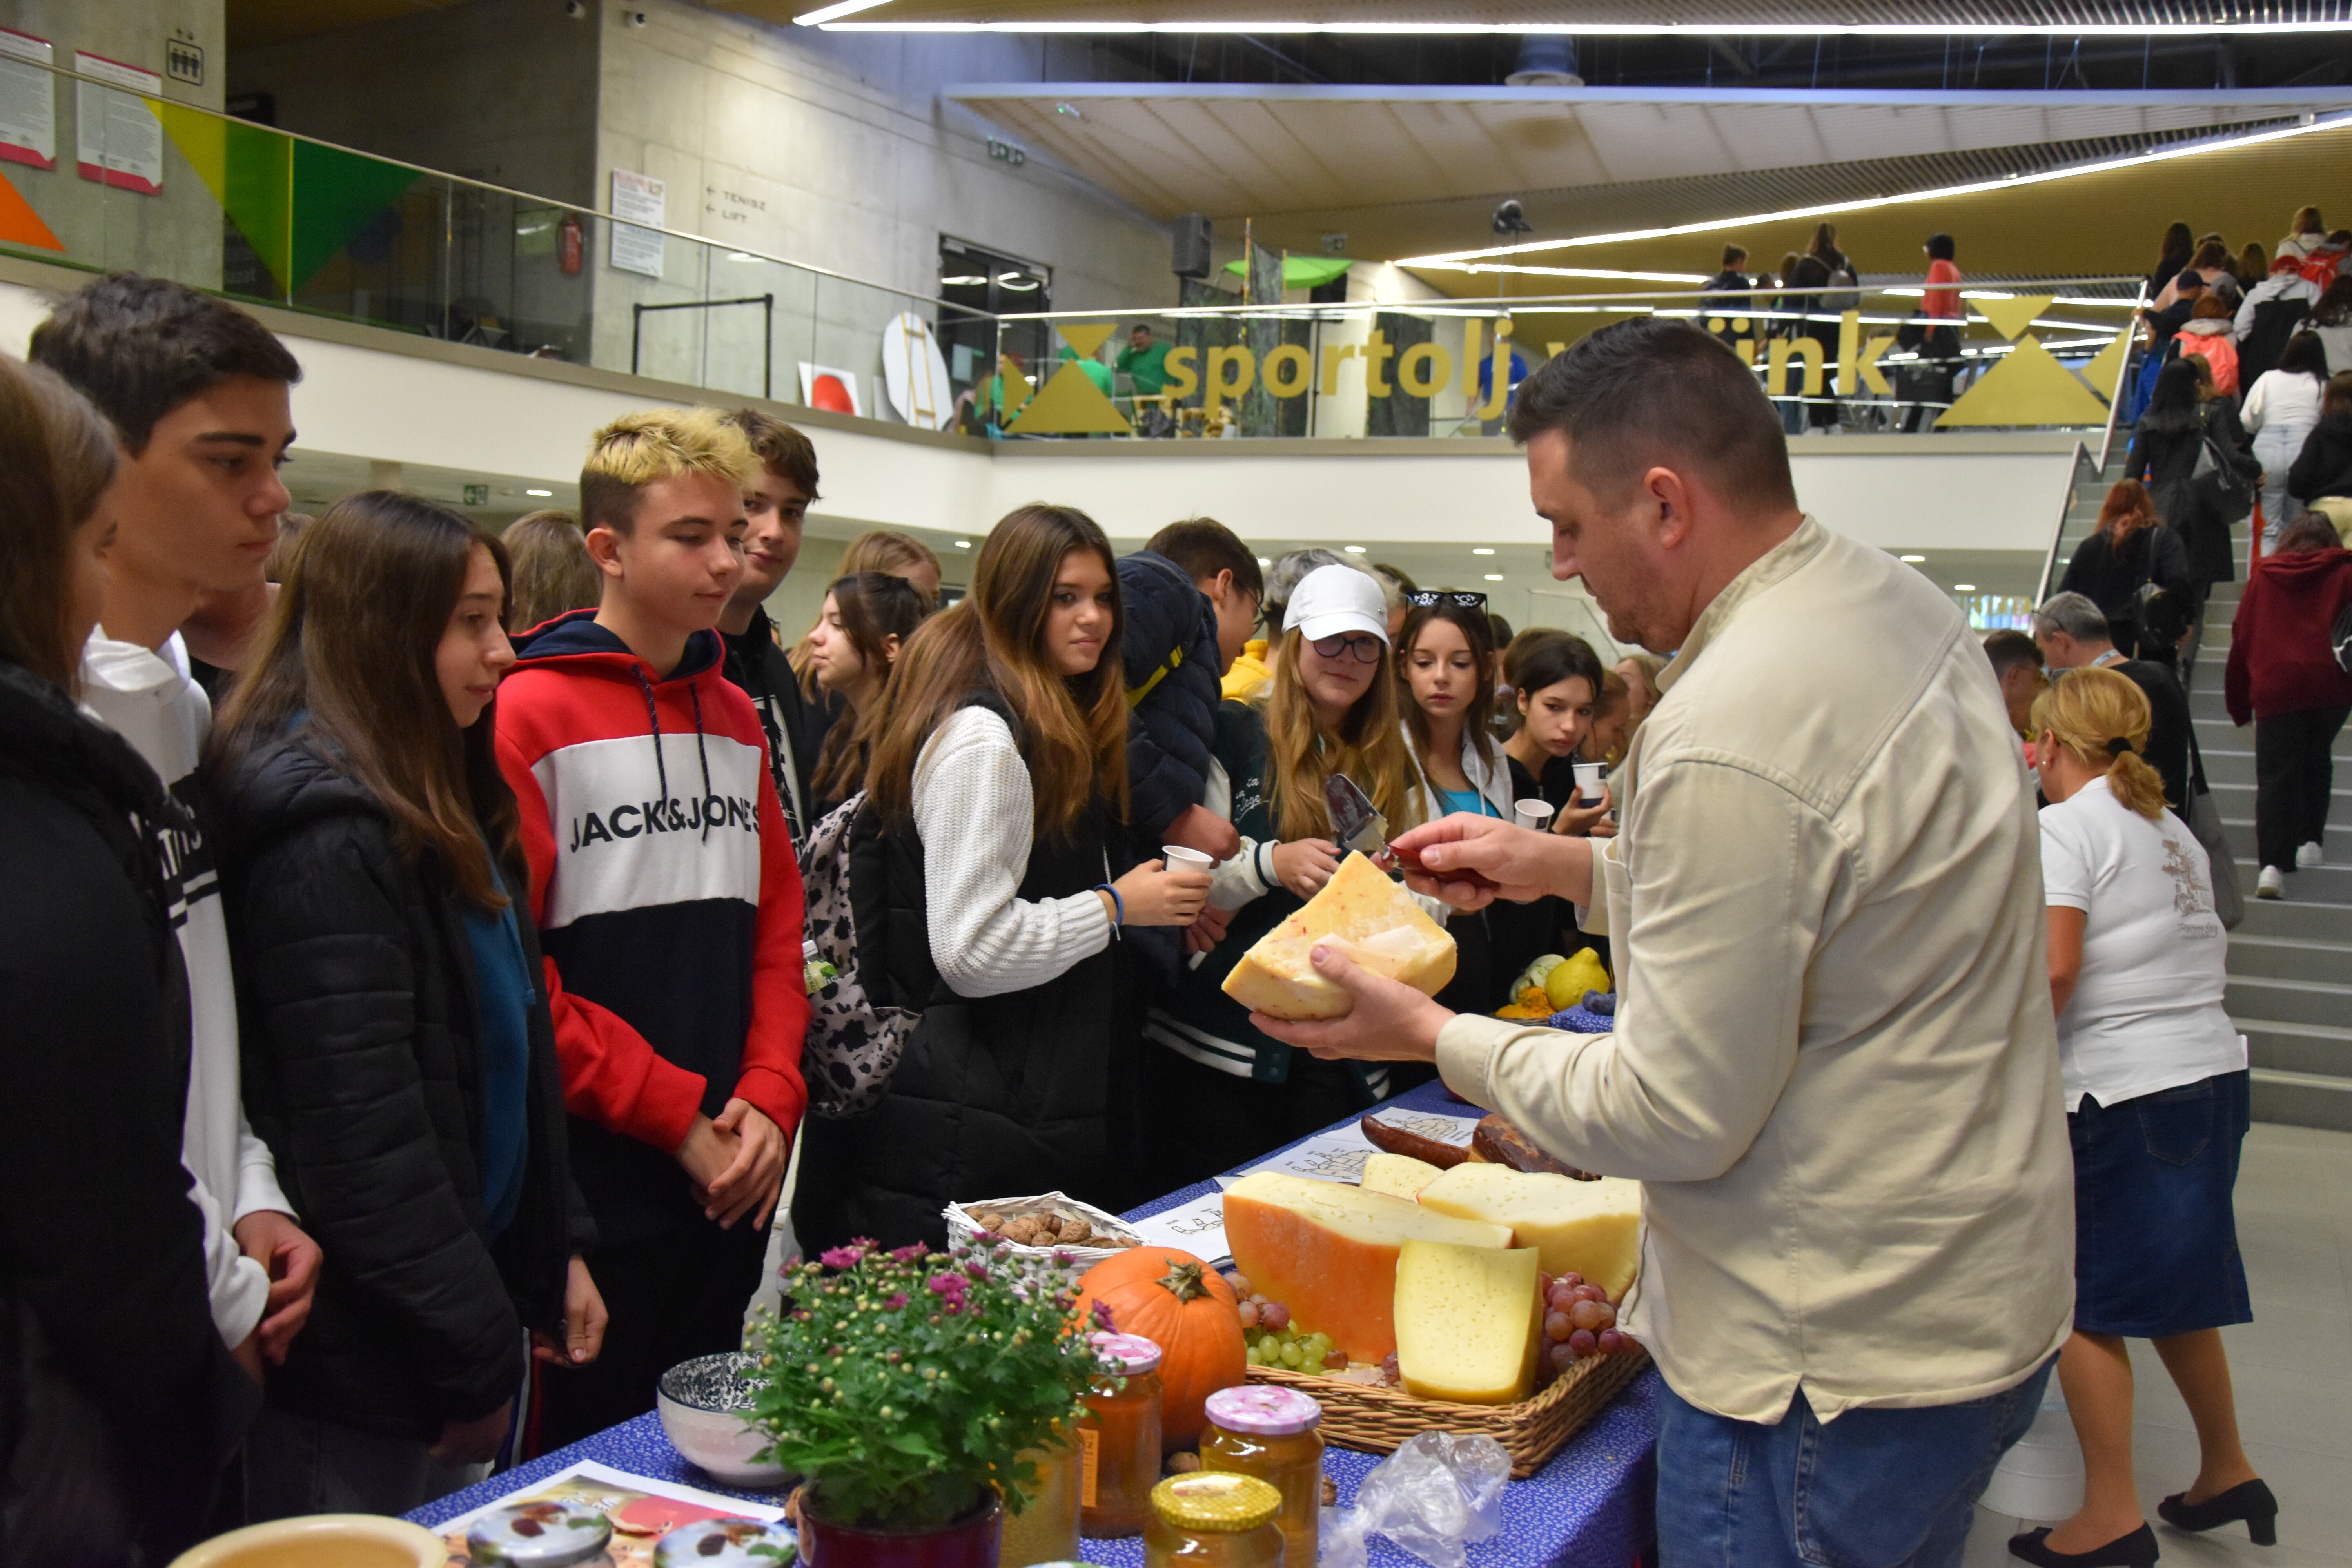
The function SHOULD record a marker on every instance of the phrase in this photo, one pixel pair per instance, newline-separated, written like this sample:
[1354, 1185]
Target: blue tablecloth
[1589, 1507]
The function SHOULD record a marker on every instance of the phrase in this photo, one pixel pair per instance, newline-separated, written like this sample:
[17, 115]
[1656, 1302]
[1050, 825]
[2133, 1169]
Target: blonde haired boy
[668, 905]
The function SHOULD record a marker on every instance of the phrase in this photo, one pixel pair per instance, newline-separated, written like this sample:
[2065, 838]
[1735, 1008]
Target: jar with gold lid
[1213, 1519]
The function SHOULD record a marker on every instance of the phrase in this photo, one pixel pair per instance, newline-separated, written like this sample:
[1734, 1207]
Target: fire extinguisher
[568, 244]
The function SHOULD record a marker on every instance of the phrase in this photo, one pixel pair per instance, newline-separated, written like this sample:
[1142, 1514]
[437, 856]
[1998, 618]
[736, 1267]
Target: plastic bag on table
[1436, 1494]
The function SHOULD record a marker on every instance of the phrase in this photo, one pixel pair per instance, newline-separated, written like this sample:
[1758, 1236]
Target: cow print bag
[854, 1043]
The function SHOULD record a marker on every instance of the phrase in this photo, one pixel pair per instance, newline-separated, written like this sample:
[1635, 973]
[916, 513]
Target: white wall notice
[118, 140]
[638, 198]
[28, 101]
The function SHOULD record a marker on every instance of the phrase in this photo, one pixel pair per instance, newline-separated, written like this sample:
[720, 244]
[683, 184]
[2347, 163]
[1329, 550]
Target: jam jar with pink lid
[1258, 1429]
[1118, 1437]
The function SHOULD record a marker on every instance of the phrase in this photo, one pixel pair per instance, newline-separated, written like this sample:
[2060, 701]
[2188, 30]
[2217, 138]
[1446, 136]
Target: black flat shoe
[2248, 1500]
[2136, 1550]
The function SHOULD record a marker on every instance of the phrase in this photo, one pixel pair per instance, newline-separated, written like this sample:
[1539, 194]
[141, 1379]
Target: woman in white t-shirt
[2154, 1078]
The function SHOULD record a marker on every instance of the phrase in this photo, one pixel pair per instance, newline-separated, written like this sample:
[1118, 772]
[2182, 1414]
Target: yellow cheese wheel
[1592, 1229]
[1370, 919]
[1468, 1322]
[1398, 1175]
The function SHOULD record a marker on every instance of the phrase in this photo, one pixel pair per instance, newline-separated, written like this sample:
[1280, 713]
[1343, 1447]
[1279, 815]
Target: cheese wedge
[1398, 1175]
[1592, 1229]
[1329, 1252]
[1364, 914]
[1468, 1322]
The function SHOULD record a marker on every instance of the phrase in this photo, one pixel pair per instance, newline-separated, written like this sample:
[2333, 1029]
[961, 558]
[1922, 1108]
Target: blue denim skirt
[2156, 1239]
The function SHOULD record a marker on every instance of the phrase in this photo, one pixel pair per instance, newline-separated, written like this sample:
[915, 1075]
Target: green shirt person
[1096, 371]
[1145, 361]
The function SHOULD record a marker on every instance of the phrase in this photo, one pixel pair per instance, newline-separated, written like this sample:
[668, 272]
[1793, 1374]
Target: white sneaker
[2270, 884]
[2310, 855]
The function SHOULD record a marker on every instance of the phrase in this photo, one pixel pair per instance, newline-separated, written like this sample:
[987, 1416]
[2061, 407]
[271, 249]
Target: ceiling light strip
[1603, 29]
[1943, 193]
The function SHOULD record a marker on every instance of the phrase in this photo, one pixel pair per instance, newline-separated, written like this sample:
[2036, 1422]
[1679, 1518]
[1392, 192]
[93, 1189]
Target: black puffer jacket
[118, 1407]
[359, 1015]
[2323, 466]
[1169, 645]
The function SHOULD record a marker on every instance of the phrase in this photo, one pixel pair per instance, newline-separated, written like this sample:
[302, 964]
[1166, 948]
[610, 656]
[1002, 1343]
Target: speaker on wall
[1193, 236]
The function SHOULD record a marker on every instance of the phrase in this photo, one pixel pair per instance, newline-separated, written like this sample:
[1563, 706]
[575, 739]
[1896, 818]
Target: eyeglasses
[1363, 644]
[1429, 598]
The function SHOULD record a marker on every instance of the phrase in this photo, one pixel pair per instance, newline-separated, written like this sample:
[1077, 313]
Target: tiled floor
[2292, 1367]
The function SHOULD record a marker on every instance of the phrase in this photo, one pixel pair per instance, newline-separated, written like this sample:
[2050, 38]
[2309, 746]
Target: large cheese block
[1364, 915]
[1329, 1252]
[1468, 1322]
[1592, 1229]
[1398, 1175]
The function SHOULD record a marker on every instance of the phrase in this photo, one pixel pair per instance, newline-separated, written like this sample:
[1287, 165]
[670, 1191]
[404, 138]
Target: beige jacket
[1836, 1069]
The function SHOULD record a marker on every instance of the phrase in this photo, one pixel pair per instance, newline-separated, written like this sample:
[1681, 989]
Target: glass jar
[1118, 1437]
[548, 1535]
[1046, 1528]
[1258, 1429]
[1209, 1520]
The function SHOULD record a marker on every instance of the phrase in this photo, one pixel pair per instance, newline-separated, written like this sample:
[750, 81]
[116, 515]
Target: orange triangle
[19, 224]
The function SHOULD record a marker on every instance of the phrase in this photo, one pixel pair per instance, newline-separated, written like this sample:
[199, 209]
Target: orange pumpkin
[1184, 1307]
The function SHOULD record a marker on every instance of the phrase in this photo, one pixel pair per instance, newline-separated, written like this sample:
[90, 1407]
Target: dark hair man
[2017, 666]
[775, 508]
[1834, 1059]
[198, 393]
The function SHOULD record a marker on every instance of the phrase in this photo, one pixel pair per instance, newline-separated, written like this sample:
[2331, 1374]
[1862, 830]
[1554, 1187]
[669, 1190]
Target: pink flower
[954, 1306]
[908, 1254]
[841, 1257]
[976, 1269]
[1101, 1313]
[896, 1299]
[950, 1285]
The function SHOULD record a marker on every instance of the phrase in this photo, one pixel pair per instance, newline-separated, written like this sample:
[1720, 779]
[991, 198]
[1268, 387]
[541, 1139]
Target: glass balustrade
[124, 178]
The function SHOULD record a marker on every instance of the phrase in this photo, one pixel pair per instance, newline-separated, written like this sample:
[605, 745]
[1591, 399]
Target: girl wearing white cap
[1223, 1092]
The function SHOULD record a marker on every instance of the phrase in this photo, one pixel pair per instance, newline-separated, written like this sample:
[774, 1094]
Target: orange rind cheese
[1362, 914]
[1329, 1252]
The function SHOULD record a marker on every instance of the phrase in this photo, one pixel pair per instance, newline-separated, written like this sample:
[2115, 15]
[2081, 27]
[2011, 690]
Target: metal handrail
[2081, 455]
[588, 209]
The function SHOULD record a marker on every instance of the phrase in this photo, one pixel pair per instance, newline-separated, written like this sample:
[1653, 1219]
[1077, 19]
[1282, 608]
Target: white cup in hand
[1533, 814]
[1180, 858]
[1587, 781]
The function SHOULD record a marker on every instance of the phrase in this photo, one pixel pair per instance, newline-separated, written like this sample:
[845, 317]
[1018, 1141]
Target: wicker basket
[1377, 1420]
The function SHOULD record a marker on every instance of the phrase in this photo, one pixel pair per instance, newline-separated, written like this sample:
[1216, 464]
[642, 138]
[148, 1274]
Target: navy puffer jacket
[1170, 649]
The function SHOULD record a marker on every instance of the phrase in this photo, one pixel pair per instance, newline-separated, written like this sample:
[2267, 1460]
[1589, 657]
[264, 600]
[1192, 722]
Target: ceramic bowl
[705, 1406]
[320, 1540]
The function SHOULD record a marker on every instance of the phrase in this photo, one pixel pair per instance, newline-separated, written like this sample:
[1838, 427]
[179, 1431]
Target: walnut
[1182, 1463]
[1330, 1492]
[1076, 1233]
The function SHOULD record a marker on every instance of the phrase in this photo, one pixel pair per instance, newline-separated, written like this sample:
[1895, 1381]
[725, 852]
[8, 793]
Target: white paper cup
[1587, 781]
[1180, 858]
[1535, 813]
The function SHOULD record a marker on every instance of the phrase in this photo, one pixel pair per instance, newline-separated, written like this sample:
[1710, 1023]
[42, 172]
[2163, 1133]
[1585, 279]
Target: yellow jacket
[1250, 673]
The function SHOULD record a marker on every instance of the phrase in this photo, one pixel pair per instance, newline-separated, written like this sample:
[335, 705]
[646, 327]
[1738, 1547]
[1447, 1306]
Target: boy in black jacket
[1191, 597]
[774, 510]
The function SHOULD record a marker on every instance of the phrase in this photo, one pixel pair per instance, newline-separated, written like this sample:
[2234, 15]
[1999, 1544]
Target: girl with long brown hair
[989, 883]
[1331, 709]
[2130, 548]
[399, 1058]
[113, 1450]
[866, 619]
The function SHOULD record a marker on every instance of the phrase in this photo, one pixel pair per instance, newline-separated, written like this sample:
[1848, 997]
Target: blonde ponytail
[2103, 717]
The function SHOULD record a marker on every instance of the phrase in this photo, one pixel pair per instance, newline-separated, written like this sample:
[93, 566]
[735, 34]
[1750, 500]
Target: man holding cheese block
[1835, 1067]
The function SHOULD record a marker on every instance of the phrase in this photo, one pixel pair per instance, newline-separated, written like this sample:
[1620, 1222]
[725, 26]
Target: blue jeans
[1873, 1488]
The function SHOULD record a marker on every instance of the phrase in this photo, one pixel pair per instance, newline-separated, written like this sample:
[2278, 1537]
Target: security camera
[1510, 218]
[575, 9]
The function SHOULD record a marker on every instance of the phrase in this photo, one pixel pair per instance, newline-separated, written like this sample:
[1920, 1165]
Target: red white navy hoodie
[668, 906]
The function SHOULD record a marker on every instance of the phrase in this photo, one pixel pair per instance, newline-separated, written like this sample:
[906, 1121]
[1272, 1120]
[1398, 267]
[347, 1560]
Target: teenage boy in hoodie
[774, 510]
[197, 392]
[668, 905]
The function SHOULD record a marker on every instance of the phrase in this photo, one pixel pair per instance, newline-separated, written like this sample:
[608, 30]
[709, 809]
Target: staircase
[2290, 988]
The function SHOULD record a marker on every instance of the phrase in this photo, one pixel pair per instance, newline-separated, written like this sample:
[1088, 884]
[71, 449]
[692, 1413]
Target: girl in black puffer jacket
[398, 1058]
[119, 1405]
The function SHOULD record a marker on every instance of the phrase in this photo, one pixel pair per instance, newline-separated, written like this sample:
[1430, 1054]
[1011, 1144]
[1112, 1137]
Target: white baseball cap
[1331, 600]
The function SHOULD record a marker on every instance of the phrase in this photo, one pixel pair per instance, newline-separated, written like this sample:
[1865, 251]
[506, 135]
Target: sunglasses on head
[1429, 598]
[1363, 644]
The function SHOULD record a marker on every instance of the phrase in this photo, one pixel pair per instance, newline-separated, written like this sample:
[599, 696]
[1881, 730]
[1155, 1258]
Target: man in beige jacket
[1834, 1068]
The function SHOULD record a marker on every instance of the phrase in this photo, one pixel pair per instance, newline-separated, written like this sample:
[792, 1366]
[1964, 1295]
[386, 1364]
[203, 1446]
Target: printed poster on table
[117, 141]
[640, 1510]
[638, 198]
[28, 101]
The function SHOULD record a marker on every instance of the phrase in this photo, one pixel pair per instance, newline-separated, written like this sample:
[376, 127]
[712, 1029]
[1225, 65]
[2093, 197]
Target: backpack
[2320, 268]
[1850, 297]
[854, 1042]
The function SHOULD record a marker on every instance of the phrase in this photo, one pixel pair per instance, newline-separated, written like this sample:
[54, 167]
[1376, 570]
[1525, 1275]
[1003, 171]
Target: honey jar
[1118, 1437]
[1212, 1519]
[1258, 1429]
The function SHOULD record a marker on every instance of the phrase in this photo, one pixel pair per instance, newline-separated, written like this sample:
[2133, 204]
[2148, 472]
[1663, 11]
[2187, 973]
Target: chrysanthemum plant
[900, 1384]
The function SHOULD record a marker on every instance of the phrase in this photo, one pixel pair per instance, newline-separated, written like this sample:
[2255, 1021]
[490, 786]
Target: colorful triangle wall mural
[20, 225]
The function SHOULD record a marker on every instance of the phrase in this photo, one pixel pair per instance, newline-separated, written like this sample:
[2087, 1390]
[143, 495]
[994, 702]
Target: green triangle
[2027, 387]
[246, 167]
[335, 195]
[1069, 405]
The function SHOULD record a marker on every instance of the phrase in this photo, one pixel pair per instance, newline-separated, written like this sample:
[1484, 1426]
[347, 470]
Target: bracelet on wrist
[1118, 904]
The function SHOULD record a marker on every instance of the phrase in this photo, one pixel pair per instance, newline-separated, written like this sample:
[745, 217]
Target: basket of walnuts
[1041, 1226]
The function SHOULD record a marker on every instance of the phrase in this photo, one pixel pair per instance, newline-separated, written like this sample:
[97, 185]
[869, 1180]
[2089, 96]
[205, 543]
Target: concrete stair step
[2290, 958]
[2251, 996]
[2301, 1100]
[2297, 1047]
[2294, 920]
[2322, 885]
